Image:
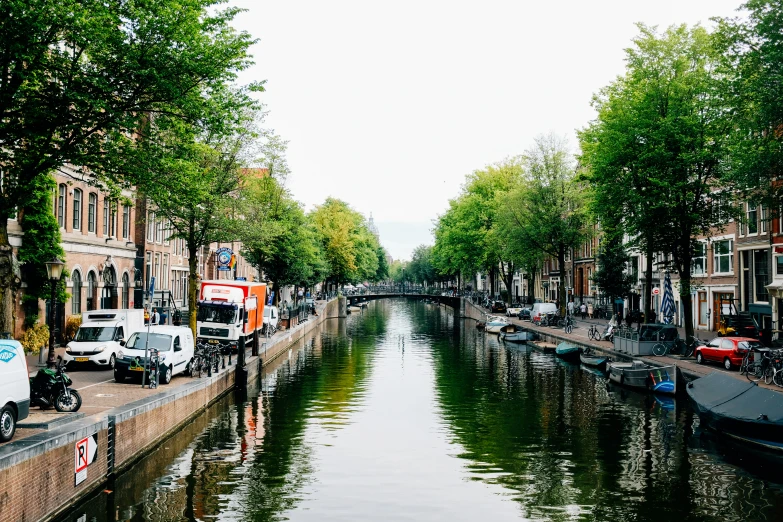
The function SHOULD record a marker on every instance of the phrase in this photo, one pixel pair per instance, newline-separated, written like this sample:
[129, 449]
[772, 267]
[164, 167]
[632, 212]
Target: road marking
[95, 384]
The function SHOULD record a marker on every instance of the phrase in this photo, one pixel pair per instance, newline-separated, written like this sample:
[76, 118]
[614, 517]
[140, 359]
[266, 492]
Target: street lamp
[54, 270]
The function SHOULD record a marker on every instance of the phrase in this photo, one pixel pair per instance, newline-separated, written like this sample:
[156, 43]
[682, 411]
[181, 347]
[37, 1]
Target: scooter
[608, 334]
[49, 387]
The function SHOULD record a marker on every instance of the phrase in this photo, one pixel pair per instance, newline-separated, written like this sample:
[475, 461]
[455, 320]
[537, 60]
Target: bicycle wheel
[659, 349]
[568, 328]
[754, 372]
[777, 379]
[769, 374]
[560, 323]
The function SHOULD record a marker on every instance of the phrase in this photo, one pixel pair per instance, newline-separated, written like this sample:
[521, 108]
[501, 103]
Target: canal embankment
[687, 368]
[43, 474]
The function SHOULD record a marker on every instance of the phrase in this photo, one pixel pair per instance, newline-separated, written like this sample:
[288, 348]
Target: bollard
[229, 358]
[223, 358]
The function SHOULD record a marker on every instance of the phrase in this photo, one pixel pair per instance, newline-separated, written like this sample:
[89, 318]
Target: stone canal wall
[38, 476]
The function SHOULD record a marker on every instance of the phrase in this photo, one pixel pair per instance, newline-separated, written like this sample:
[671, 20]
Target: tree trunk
[561, 300]
[9, 279]
[648, 270]
[193, 289]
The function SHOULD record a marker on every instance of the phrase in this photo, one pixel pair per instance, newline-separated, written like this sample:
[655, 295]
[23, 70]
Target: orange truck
[228, 311]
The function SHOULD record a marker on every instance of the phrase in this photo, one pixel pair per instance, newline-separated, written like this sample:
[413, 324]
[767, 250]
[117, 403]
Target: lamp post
[403, 281]
[54, 269]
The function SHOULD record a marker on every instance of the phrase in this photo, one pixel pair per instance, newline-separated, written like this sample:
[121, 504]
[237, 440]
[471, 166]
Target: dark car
[524, 313]
[498, 306]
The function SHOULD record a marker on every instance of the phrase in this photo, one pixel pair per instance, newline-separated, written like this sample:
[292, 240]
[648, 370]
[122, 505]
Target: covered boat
[739, 409]
[495, 323]
[589, 358]
[567, 351]
[516, 334]
[636, 374]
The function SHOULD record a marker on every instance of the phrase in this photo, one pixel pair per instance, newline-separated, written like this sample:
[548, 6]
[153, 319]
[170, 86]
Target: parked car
[498, 307]
[524, 312]
[728, 351]
[14, 387]
[174, 345]
[539, 311]
[514, 310]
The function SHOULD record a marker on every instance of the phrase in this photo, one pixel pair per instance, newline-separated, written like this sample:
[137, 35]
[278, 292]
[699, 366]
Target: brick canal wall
[37, 473]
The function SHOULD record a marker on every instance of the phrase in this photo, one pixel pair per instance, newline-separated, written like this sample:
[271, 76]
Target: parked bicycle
[567, 323]
[593, 334]
[757, 362]
[677, 347]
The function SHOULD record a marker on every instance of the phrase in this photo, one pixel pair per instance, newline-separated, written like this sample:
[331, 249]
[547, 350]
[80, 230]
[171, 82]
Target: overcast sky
[388, 105]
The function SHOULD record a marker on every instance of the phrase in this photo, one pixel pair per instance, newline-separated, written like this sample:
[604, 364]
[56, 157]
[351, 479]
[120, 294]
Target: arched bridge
[453, 302]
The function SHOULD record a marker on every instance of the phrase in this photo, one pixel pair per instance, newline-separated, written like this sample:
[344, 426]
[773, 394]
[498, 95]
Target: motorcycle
[49, 387]
[608, 334]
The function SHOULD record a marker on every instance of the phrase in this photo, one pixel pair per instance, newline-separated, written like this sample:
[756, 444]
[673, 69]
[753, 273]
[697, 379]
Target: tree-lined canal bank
[403, 412]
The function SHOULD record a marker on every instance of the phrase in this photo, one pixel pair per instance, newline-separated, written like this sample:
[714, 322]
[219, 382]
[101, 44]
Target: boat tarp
[733, 398]
[566, 347]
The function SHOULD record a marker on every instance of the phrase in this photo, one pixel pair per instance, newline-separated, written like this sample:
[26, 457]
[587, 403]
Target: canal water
[406, 413]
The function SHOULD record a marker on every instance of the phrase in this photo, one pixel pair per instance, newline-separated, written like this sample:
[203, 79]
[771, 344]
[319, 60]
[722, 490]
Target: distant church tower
[373, 228]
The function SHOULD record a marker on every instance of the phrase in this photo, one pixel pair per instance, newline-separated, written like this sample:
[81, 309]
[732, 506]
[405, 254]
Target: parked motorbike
[608, 334]
[49, 387]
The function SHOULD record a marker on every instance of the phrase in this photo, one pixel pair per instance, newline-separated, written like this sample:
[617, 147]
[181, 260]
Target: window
[125, 290]
[91, 209]
[77, 209]
[159, 230]
[167, 233]
[760, 274]
[763, 220]
[634, 268]
[125, 221]
[703, 308]
[779, 265]
[164, 277]
[92, 291]
[113, 219]
[62, 192]
[150, 227]
[149, 267]
[723, 256]
[156, 271]
[699, 262]
[105, 217]
[753, 225]
[76, 293]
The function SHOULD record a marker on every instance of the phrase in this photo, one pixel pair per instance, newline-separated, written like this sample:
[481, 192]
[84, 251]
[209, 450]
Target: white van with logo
[98, 339]
[174, 345]
[14, 387]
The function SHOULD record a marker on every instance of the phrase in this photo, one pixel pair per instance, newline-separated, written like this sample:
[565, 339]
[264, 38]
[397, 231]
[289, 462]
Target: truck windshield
[91, 334]
[160, 342]
[216, 314]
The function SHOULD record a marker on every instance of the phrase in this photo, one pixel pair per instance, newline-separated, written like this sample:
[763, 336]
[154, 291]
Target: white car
[174, 345]
[513, 310]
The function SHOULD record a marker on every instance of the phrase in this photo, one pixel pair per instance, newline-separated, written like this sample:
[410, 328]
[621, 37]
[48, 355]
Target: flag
[667, 304]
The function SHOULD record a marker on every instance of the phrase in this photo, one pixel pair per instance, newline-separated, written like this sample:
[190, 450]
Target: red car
[726, 350]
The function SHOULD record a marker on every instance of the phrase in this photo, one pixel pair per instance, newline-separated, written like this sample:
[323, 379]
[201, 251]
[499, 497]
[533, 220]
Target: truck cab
[98, 338]
[229, 312]
[220, 323]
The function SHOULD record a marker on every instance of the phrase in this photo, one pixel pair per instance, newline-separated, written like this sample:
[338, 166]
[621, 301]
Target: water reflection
[405, 412]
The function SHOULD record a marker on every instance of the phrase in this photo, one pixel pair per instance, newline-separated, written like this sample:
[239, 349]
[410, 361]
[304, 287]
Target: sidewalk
[101, 393]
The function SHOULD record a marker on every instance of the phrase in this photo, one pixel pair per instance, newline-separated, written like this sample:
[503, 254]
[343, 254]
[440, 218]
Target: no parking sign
[84, 455]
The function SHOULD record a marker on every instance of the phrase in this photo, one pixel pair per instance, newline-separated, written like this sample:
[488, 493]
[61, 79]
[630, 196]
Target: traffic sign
[84, 455]
[656, 291]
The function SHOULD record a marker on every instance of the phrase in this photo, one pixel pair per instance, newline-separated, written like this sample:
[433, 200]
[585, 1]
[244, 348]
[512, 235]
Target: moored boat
[516, 334]
[636, 374]
[567, 351]
[495, 324]
[739, 409]
[588, 358]
[544, 346]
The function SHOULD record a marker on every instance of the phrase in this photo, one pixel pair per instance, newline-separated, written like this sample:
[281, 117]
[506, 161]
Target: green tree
[546, 212]
[350, 249]
[657, 148]
[80, 77]
[191, 174]
[751, 59]
[421, 267]
[383, 265]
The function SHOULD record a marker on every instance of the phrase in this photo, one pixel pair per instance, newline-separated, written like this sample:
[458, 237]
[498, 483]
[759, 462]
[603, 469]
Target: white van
[174, 345]
[14, 387]
[271, 318]
[541, 309]
[99, 336]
